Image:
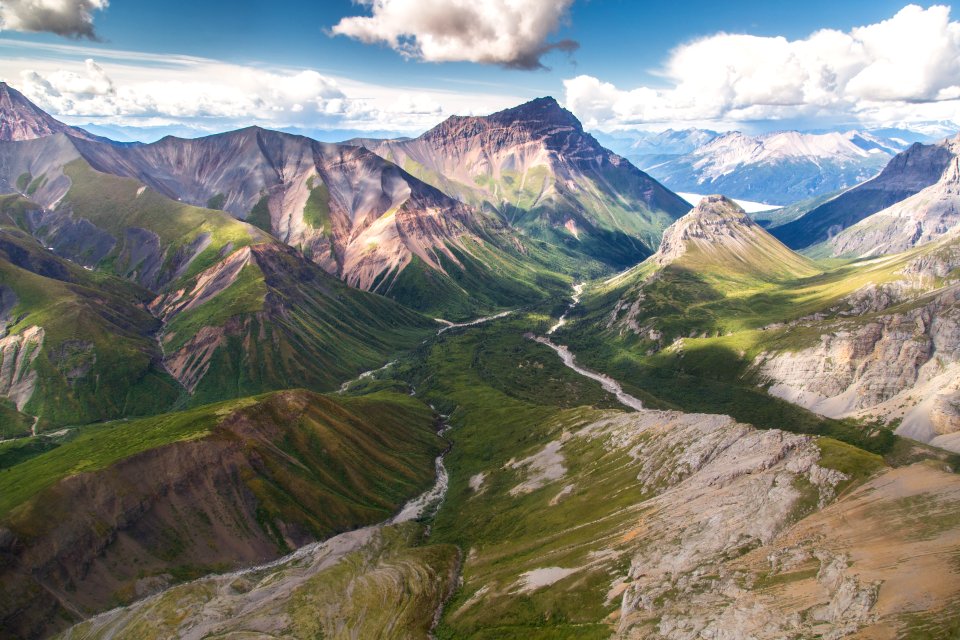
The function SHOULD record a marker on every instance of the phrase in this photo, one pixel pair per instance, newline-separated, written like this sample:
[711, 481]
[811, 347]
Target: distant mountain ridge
[779, 168]
[360, 217]
[909, 174]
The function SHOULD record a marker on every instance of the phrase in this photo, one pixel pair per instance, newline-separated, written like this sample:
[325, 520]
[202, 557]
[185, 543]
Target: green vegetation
[284, 320]
[858, 464]
[217, 202]
[510, 397]
[245, 296]
[482, 279]
[391, 433]
[97, 358]
[224, 483]
[98, 446]
[316, 212]
[116, 204]
[700, 328]
[23, 180]
[12, 422]
[260, 215]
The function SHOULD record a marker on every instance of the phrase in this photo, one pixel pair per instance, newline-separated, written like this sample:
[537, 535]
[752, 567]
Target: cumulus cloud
[912, 58]
[69, 18]
[136, 89]
[510, 33]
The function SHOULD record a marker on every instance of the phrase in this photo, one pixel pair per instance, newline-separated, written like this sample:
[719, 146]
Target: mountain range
[231, 365]
[779, 168]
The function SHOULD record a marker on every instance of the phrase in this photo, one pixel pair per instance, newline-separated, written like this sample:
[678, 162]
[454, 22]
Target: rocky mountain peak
[712, 221]
[537, 119]
[20, 119]
[718, 237]
[541, 111]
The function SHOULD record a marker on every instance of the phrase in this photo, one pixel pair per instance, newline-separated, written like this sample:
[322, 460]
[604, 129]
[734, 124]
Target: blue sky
[637, 64]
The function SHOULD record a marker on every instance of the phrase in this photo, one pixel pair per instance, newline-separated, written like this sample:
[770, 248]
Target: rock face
[538, 169]
[907, 174]
[889, 352]
[17, 353]
[729, 532]
[23, 120]
[919, 219]
[781, 167]
[357, 215]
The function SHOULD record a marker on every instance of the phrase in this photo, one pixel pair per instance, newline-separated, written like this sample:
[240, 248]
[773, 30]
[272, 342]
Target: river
[609, 384]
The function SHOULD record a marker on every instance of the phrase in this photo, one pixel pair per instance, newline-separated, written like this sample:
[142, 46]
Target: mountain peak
[718, 239]
[545, 110]
[538, 118]
[20, 119]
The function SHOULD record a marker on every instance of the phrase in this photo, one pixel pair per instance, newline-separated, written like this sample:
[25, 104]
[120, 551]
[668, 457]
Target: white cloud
[70, 18]
[137, 89]
[867, 74]
[511, 33]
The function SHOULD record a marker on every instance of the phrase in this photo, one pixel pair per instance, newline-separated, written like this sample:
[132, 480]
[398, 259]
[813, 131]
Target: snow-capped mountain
[780, 167]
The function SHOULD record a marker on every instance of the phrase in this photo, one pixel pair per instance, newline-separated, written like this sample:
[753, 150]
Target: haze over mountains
[230, 364]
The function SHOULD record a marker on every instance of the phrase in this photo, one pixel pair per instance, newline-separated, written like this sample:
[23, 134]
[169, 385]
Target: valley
[492, 381]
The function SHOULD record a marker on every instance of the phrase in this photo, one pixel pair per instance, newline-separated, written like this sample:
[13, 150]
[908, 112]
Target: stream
[609, 384]
[217, 601]
[447, 325]
[363, 376]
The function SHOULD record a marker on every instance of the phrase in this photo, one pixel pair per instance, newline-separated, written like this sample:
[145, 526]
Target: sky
[401, 66]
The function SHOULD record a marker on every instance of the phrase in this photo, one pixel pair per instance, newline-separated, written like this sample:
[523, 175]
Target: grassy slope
[292, 322]
[336, 438]
[302, 465]
[113, 204]
[712, 326]
[509, 397]
[618, 230]
[486, 279]
[90, 320]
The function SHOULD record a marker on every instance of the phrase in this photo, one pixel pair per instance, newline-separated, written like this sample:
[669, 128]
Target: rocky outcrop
[889, 352]
[720, 234]
[18, 379]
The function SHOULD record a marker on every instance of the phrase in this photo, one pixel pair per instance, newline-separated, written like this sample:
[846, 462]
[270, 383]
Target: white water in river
[609, 384]
[428, 502]
[363, 376]
[577, 292]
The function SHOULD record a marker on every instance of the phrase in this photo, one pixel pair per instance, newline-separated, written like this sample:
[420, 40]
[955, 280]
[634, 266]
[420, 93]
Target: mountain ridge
[906, 175]
[537, 169]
